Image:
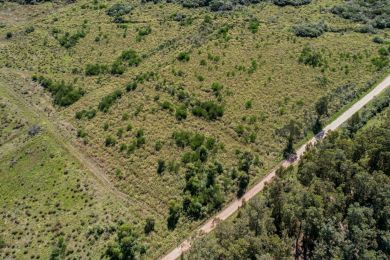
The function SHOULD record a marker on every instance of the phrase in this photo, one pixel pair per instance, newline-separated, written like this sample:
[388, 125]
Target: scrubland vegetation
[333, 205]
[183, 105]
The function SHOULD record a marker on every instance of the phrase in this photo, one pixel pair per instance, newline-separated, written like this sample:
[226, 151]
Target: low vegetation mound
[310, 30]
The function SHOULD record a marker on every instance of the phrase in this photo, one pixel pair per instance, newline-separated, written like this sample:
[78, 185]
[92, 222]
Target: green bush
[183, 56]
[380, 62]
[217, 88]
[131, 86]
[254, 25]
[95, 69]
[190, 157]
[181, 113]
[375, 14]
[143, 31]
[248, 104]
[310, 30]
[126, 245]
[81, 133]
[89, 114]
[59, 250]
[166, 105]
[243, 182]
[158, 145]
[117, 68]
[196, 141]
[182, 138]
[160, 166]
[140, 138]
[109, 100]
[8, 35]
[29, 29]
[63, 94]
[202, 194]
[119, 133]
[149, 225]
[208, 110]
[119, 9]
[174, 215]
[110, 141]
[291, 2]
[131, 57]
[70, 40]
[311, 57]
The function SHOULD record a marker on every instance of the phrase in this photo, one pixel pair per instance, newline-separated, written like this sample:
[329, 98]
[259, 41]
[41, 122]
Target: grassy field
[251, 52]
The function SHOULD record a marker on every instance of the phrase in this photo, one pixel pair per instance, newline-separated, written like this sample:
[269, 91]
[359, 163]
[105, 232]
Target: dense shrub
[110, 141]
[89, 114]
[63, 94]
[291, 2]
[167, 106]
[59, 249]
[183, 56]
[380, 62]
[298, 216]
[109, 100]
[310, 30]
[228, 5]
[160, 166]
[181, 113]
[193, 140]
[361, 118]
[140, 138]
[221, 5]
[158, 145]
[34, 2]
[378, 40]
[208, 109]
[373, 13]
[144, 31]
[254, 25]
[117, 68]
[174, 215]
[119, 9]
[95, 69]
[126, 245]
[182, 138]
[131, 86]
[311, 57]
[70, 40]
[202, 193]
[216, 88]
[131, 57]
[145, 76]
[29, 29]
[149, 225]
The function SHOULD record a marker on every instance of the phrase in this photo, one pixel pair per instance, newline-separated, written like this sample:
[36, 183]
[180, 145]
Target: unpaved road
[237, 203]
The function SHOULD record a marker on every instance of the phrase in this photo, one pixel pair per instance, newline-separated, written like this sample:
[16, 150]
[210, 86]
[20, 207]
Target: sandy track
[237, 203]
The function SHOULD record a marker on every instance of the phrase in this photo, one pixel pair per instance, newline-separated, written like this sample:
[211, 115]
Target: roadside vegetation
[333, 205]
[183, 105]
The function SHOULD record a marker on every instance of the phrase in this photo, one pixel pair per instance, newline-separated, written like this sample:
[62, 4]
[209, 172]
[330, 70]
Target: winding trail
[49, 125]
[210, 225]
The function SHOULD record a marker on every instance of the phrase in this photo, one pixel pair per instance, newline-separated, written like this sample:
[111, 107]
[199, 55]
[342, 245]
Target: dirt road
[236, 204]
[50, 127]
